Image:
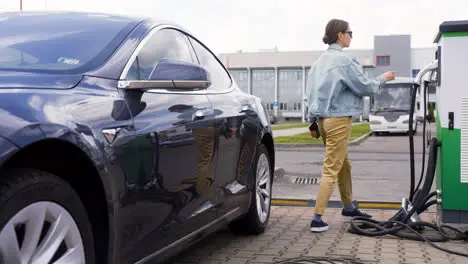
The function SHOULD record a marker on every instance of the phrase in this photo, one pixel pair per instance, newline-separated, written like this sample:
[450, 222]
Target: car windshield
[57, 42]
[393, 97]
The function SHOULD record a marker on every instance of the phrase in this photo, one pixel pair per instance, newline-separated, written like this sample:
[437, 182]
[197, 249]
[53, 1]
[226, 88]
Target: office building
[279, 77]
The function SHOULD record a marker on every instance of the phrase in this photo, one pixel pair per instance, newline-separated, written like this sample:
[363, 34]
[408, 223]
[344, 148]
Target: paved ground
[380, 173]
[288, 237]
[380, 168]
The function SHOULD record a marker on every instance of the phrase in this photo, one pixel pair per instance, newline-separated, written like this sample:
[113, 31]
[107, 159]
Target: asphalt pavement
[380, 169]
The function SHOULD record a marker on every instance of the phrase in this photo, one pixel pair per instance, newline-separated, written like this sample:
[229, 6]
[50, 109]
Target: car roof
[82, 15]
[77, 15]
[78, 20]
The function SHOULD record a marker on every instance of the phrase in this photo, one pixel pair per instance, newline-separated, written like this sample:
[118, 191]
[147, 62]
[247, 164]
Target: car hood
[24, 80]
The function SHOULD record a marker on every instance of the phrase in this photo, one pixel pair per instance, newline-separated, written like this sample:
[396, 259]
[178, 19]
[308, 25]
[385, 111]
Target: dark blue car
[122, 140]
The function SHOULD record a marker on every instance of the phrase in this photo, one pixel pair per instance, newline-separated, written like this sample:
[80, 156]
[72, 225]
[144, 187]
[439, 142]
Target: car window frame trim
[122, 82]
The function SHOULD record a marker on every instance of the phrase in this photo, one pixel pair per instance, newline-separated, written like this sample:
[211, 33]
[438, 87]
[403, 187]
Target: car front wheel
[256, 219]
[42, 220]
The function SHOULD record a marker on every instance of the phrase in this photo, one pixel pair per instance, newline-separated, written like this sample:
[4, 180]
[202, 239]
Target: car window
[220, 79]
[66, 47]
[163, 44]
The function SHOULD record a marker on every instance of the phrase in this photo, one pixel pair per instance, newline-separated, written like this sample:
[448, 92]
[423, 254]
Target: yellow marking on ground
[361, 205]
[288, 202]
[380, 205]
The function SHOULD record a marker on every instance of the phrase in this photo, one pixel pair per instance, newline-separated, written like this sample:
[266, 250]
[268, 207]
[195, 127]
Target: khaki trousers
[205, 145]
[335, 133]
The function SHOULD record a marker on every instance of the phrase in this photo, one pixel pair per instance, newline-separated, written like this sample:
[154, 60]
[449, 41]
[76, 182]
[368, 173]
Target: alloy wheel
[263, 187]
[41, 233]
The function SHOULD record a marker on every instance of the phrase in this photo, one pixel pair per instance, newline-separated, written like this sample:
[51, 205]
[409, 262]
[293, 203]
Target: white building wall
[285, 58]
[420, 57]
[251, 64]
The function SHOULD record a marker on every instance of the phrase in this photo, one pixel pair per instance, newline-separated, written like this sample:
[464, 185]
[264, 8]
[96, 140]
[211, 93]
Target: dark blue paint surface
[59, 43]
[59, 82]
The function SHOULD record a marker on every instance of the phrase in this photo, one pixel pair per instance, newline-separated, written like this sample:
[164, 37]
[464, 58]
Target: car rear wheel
[42, 220]
[256, 219]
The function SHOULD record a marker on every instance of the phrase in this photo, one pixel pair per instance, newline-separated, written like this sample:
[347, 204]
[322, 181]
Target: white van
[390, 108]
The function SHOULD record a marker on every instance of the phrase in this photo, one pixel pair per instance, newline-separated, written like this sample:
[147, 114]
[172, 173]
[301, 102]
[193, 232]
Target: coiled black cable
[400, 225]
[414, 91]
[423, 166]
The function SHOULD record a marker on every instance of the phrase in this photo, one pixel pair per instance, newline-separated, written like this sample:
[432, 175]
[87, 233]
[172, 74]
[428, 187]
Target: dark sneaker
[350, 214]
[318, 226]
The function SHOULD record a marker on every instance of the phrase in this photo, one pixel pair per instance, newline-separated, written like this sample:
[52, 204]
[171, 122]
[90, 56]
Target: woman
[335, 87]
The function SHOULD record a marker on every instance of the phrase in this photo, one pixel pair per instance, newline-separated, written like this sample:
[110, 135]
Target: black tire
[20, 188]
[250, 222]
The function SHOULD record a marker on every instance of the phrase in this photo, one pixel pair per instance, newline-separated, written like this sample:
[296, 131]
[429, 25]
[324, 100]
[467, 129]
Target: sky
[289, 25]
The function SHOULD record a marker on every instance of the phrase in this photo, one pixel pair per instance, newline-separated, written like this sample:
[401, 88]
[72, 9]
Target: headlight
[406, 121]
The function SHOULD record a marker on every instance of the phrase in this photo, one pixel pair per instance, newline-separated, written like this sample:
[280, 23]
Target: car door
[172, 193]
[236, 132]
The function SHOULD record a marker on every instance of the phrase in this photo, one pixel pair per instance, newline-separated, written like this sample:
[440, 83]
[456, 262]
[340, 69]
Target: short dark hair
[332, 29]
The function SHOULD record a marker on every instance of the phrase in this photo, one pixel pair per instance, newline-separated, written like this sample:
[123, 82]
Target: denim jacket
[336, 84]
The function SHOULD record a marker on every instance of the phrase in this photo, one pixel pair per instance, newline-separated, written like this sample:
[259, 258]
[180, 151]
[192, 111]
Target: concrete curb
[359, 140]
[355, 142]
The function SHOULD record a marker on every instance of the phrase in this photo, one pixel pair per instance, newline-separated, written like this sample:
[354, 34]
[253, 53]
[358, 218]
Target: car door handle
[202, 113]
[118, 135]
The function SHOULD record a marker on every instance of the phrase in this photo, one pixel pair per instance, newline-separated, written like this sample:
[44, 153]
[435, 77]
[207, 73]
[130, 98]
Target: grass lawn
[305, 138]
[290, 126]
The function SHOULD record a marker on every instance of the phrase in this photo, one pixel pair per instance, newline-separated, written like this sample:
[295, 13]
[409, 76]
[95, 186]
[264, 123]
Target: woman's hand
[389, 76]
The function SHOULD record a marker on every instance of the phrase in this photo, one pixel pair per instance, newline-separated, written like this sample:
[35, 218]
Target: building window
[299, 75]
[415, 72]
[290, 89]
[263, 85]
[383, 60]
[242, 78]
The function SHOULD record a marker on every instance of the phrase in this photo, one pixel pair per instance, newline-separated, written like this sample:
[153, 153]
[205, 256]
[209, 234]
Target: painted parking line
[290, 202]
[379, 205]
[337, 204]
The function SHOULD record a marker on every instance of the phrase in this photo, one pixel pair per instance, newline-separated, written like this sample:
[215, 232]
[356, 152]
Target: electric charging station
[452, 122]
[448, 151]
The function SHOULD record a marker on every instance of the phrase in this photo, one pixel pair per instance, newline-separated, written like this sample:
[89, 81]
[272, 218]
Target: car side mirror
[172, 74]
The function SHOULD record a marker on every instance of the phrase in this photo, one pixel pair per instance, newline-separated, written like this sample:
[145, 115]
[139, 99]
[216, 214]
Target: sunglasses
[350, 33]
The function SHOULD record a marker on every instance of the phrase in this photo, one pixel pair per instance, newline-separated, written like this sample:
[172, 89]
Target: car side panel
[171, 196]
[7, 149]
[238, 130]
[77, 116]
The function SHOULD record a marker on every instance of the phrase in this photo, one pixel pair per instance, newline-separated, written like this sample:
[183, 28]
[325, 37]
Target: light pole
[21, 5]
